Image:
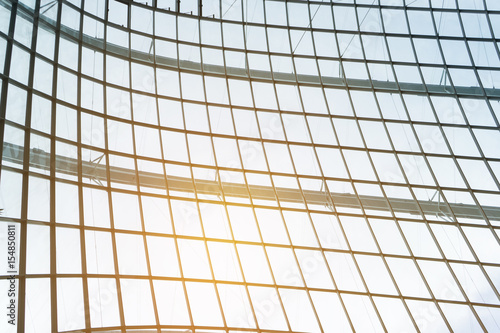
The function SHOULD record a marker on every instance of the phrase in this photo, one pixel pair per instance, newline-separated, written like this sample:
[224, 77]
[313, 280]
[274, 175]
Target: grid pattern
[260, 166]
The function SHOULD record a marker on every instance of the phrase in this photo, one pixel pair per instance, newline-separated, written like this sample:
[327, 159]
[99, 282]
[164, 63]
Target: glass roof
[249, 165]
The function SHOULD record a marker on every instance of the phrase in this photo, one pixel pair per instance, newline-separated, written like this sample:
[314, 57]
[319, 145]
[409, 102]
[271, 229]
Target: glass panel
[251, 165]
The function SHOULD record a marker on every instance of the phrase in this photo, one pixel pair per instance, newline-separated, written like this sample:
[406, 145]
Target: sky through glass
[248, 165]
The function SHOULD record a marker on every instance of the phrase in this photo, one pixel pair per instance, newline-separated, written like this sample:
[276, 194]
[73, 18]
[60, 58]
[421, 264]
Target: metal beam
[95, 171]
[292, 78]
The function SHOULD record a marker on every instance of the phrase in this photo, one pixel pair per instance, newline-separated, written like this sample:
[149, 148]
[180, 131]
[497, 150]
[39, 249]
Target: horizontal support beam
[97, 172]
[286, 78]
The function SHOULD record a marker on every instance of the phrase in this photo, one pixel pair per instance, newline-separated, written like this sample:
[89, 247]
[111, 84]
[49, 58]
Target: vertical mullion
[190, 166]
[25, 189]
[319, 164]
[108, 176]
[6, 73]
[136, 166]
[153, 294]
[86, 306]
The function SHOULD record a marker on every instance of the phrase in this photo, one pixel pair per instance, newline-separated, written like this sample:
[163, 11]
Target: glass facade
[250, 165]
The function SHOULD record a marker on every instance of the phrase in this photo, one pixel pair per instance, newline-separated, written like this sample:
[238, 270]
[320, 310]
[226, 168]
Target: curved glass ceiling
[249, 165]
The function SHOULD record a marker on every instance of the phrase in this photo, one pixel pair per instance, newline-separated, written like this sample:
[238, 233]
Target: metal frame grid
[371, 119]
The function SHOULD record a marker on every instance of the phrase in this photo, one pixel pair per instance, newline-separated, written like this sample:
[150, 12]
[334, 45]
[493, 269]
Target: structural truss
[271, 166]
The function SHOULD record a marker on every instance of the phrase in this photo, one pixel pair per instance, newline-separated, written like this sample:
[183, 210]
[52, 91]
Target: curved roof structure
[253, 166]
